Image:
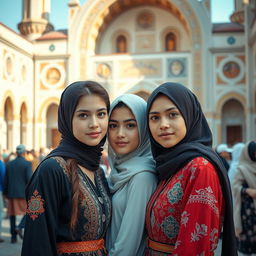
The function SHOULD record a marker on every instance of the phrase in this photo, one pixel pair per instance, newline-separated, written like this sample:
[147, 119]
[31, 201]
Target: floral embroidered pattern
[192, 170]
[170, 227]
[177, 244]
[175, 193]
[35, 205]
[199, 232]
[184, 218]
[205, 196]
[214, 239]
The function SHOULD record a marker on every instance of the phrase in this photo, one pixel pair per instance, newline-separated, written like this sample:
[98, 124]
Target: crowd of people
[144, 193]
[16, 168]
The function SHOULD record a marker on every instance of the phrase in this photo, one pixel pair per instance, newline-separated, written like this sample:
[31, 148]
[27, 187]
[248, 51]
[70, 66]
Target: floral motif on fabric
[184, 218]
[93, 223]
[199, 232]
[193, 228]
[175, 193]
[214, 239]
[192, 170]
[92, 206]
[177, 244]
[170, 227]
[205, 196]
[35, 205]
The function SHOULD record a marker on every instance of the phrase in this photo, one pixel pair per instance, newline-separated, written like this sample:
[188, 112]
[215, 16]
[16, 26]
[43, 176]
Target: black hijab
[70, 147]
[252, 150]
[197, 142]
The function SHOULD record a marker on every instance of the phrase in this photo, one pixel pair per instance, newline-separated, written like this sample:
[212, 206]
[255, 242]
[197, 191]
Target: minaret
[74, 6]
[238, 14]
[35, 18]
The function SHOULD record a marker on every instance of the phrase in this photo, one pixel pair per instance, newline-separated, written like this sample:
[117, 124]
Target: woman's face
[123, 133]
[166, 123]
[90, 120]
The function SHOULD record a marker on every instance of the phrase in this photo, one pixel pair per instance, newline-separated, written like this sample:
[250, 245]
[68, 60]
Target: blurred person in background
[35, 161]
[236, 153]
[18, 173]
[2, 173]
[224, 153]
[244, 195]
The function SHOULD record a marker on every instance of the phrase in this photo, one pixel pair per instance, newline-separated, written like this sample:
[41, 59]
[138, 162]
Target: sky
[11, 12]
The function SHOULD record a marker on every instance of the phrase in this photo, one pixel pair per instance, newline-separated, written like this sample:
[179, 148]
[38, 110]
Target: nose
[93, 123]
[164, 123]
[120, 132]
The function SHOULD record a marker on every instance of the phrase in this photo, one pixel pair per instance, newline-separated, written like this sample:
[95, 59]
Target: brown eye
[154, 118]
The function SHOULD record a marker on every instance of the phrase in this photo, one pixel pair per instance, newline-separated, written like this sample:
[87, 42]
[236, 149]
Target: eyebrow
[126, 121]
[168, 109]
[86, 110]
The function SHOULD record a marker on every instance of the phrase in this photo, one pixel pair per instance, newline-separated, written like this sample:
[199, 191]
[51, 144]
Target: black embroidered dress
[49, 210]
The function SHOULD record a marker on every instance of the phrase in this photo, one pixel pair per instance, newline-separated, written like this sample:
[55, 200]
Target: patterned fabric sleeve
[44, 195]
[201, 217]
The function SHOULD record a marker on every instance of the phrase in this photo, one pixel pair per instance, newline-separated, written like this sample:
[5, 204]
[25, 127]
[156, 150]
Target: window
[170, 42]
[121, 44]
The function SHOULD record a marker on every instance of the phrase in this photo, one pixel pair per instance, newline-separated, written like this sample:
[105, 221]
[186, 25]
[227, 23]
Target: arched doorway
[144, 95]
[233, 122]
[23, 124]
[52, 134]
[8, 124]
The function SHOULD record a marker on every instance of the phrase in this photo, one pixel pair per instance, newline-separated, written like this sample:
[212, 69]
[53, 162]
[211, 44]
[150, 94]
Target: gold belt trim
[83, 246]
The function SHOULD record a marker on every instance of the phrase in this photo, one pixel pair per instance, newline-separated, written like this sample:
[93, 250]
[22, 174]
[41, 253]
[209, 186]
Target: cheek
[152, 129]
[137, 138]
[184, 130]
[110, 135]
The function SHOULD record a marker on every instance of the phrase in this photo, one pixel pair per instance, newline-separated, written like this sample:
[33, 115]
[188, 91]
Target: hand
[251, 192]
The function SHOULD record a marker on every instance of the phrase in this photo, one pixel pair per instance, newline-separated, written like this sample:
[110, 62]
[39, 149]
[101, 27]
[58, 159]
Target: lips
[166, 134]
[94, 135]
[121, 144]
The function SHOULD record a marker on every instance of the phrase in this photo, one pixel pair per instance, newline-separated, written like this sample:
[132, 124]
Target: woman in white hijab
[244, 194]
[132, 179]
[236, 152]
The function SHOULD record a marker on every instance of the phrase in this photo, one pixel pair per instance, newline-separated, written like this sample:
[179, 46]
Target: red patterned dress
[187, 211]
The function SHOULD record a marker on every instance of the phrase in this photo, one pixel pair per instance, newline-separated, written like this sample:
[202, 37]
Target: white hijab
[246, 172]
[236, 152]
[124, 167]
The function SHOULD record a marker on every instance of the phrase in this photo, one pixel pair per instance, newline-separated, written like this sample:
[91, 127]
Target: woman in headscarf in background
[236, 153]
[193, 199]
[68, 199]
[244, 194]
[132, 179]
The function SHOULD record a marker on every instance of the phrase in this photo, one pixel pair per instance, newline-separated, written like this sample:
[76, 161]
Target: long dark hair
[88, 88]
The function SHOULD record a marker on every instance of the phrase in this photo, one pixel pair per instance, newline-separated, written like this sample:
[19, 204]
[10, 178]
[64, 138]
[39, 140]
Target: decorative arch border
[24, 100]
[164, 33]
[87, 26]
[41, 118]
[228, 97]
[119, 33]
[8, 94]
[26, 111]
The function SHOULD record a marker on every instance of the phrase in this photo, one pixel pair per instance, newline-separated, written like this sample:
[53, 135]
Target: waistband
[83, 246]
[160, 247]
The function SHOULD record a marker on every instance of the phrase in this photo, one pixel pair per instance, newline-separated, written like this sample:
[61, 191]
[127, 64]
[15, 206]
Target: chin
[91, 143]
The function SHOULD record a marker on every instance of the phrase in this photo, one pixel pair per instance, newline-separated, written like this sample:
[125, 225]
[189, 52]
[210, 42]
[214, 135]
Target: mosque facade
[129, 46]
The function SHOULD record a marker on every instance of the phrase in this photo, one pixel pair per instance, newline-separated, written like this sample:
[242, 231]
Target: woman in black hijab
[68, 204]
[193, 200]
